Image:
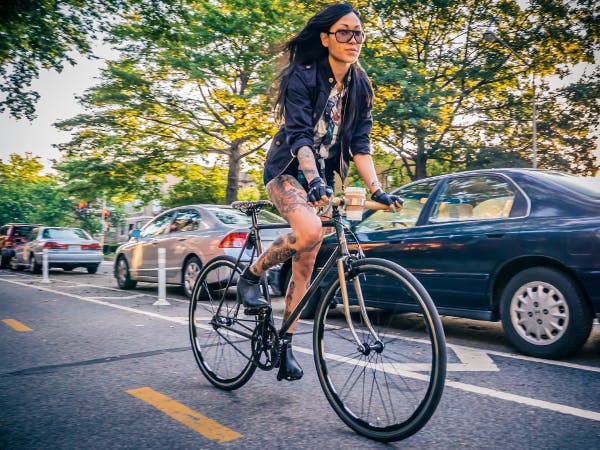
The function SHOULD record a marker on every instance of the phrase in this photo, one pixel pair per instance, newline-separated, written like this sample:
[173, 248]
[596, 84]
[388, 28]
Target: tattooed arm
[307, 162]
[366, 170]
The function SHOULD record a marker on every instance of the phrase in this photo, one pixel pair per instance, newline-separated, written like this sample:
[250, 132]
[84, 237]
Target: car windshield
[230, 216]
[415, 196]
[22, 231]
[64, 233]
[588, 186]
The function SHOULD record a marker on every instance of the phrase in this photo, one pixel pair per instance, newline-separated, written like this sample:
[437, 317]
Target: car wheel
[68, 268]
[122, 274]
[34, 267]
[92, 269]
[190, 274]
[544, 313]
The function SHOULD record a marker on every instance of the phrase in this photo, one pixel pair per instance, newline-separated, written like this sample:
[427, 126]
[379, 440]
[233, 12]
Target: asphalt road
[86, 365]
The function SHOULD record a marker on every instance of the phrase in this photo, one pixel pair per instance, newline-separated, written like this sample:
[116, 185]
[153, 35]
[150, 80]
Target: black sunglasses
[345, 36]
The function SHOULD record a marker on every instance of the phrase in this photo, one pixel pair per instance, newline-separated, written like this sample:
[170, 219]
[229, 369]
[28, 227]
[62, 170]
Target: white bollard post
[45, 267]
[162, 279]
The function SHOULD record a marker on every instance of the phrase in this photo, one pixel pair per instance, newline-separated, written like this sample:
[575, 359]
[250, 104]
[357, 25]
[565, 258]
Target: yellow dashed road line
[16, 325]
[190, 418]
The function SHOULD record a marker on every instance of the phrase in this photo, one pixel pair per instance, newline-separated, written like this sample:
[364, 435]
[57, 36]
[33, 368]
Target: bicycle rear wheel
[220, 333]
[389, 392]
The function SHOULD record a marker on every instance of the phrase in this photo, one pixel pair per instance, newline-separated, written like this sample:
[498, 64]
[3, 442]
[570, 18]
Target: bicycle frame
[339, 257]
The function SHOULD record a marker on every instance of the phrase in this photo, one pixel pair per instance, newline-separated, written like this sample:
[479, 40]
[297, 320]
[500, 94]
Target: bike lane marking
[199, 423]
[556, 407]
[16, 325]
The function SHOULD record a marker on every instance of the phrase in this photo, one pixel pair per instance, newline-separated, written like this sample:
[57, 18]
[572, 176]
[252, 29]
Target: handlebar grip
[370, 204]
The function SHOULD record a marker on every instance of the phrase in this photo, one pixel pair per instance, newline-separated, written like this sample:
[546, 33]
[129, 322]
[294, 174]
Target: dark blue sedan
[517, 245]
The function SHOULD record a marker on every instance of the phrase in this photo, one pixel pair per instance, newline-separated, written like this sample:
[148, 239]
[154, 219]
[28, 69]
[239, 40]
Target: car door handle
[182, 239]
[495, 235]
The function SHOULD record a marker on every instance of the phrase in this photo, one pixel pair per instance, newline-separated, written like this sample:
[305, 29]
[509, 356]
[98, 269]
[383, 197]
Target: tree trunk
[233, 175]
[421, 156]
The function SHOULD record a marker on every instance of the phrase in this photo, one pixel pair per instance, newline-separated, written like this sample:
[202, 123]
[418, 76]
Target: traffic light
[82, 209]
[105, 213]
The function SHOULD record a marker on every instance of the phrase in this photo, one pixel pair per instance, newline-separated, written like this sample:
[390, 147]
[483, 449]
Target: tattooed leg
[289, 197]
[302, 244]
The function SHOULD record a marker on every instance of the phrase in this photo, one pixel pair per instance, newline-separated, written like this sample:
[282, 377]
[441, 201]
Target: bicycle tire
[387, 395]
[220, 333]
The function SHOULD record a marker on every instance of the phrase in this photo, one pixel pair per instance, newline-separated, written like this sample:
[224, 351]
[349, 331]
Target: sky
[58, 101]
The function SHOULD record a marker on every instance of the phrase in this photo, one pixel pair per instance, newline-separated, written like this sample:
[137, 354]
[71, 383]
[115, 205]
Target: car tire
[123, 275]
[92, 269]
[190, 273]
[544, 313]
[68, 268]
[34, 267]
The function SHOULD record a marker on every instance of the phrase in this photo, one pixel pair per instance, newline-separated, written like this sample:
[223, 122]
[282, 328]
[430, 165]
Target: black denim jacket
[308, 89]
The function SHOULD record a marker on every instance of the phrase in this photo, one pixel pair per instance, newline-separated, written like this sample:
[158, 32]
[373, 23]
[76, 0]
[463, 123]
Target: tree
[28, 196]
[192, 81]
[445, 94]
[44, 34]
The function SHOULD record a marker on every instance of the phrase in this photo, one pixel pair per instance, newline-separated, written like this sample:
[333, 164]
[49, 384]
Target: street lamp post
[490, 36]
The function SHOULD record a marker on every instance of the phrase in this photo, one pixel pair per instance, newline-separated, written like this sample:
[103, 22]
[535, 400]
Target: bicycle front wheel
[220, 333]
[389, 389]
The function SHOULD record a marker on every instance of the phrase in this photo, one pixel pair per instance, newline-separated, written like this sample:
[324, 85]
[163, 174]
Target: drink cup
[355, 202]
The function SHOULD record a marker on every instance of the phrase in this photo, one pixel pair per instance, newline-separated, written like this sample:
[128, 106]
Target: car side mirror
[135, 234]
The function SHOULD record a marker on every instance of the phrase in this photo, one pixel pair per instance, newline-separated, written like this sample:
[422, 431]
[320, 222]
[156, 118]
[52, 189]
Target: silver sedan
[67, 248]
[191, 236]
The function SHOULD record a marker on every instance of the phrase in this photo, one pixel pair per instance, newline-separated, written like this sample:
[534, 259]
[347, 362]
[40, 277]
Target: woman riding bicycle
[325, 100]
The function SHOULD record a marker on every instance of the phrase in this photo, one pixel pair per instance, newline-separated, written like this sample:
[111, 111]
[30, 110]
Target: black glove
[316, 189]
[387, 199]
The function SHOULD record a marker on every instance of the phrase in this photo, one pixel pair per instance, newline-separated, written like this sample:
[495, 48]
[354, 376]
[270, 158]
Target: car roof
[503, 170]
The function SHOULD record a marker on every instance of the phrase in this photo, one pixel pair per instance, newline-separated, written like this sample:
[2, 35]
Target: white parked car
[68, 248]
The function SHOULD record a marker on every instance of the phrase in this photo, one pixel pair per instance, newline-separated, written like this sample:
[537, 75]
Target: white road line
[550, 362]
[128, 297]
[75, 284]
[556, 407]
[100, 302]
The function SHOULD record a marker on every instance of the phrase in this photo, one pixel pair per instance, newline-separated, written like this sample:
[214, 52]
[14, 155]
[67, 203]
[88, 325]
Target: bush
[110, 248]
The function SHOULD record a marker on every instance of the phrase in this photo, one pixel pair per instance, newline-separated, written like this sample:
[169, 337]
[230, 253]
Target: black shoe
[289, 368]
[248, 293]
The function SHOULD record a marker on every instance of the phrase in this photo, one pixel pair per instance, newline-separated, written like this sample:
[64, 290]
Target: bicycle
[383, 384]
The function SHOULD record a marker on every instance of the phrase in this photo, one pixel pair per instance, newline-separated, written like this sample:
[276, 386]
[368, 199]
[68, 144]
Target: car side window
[158, 226]
[187, 220]
[474, 198]
[32, 236]
[415, 196]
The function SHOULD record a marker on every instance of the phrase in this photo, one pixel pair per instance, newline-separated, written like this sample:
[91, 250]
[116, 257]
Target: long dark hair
[306, 47]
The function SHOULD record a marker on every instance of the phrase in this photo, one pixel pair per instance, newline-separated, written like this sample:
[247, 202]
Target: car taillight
[234, 240]
[94, 246]
[55, 245]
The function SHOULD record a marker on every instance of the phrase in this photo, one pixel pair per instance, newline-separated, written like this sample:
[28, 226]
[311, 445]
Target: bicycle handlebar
[369, 204]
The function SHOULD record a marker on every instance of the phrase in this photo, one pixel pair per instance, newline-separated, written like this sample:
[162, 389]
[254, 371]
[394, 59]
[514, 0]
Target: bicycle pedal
[257, 311]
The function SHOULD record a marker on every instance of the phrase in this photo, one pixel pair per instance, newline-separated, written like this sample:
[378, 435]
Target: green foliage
[199, 184]
[28, 196]
[443, 93]
[193, 81]
[194, 78]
